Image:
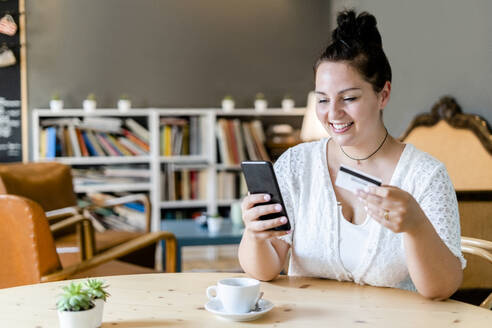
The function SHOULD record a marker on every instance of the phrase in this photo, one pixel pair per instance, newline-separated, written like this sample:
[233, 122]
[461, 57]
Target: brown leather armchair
[28, 250]
[50, 185]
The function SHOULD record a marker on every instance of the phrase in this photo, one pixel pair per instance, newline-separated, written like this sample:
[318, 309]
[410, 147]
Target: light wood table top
[178, 299]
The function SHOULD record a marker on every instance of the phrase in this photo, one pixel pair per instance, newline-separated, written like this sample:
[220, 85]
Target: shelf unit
[207, 161]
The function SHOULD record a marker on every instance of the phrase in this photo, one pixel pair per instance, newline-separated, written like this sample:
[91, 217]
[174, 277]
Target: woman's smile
[341, 127]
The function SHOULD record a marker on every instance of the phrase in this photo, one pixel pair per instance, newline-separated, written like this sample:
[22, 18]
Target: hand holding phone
[260, 178]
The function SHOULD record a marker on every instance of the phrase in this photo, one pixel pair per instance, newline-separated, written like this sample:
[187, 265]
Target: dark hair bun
[360, 29]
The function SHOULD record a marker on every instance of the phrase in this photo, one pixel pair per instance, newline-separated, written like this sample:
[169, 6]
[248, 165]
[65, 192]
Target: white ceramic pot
[236, 214]
[99, 311]
[287, 104]
[78, 319]
[56, 105]
[89, 105]
[214, 224]
[124, 105]
[261, 105]
[228, 105]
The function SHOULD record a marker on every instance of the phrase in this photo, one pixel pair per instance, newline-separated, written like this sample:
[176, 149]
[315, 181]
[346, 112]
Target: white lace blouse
[311, 205]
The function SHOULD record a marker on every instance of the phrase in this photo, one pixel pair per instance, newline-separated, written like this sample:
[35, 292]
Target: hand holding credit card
[353, 180]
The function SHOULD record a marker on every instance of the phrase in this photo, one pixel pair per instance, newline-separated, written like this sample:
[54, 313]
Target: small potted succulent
[97, 290]
[56, 104]
[228, 103]
[76, 308]
[124, 103]
[260, 102]
[89, 103]
[287, 103]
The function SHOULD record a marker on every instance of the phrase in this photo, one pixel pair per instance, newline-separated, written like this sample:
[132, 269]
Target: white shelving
[207, 161]
[113, 187]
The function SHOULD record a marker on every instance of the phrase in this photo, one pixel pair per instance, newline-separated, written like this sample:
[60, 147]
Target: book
[50, 142]
[102, 124]
[61, 142]
[239, 140]
[95, 143]
[259, 139]
[106, 145]
[131, 146]
[248, 140]
[134, 218]
[80, 139]
[137, 129]
[142, 144]
[166, 141]
[68, 142]
[89, 145]
[42, 143]
[74, 141]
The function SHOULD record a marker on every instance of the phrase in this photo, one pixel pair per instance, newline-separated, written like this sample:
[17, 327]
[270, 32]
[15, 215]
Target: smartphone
[260, 178]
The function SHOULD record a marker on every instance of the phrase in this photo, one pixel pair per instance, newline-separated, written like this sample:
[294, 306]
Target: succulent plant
[124, 96]
[91, 96]
[260, 96]
[55, 96]
[96, 289]
[228, 97]
[74, 298]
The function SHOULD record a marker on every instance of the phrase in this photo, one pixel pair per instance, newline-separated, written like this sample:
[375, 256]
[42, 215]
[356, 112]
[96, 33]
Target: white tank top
[353, 240]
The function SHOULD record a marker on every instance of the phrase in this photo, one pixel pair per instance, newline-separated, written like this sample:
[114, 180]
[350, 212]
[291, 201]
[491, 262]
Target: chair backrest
[49, 184]
[463, 142]
[27, 249]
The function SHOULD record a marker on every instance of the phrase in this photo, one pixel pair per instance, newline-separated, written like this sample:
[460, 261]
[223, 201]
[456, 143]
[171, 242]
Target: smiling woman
[404, 233]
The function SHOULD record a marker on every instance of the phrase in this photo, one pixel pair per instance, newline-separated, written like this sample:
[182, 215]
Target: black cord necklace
[363, 159]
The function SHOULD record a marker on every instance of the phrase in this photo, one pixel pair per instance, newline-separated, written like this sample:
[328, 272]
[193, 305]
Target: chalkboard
[10, 92]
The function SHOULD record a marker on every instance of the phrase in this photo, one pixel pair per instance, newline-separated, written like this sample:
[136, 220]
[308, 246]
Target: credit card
[352, 179]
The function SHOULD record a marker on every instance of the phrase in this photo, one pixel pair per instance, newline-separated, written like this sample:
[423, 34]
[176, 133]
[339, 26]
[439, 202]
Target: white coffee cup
[237, 295]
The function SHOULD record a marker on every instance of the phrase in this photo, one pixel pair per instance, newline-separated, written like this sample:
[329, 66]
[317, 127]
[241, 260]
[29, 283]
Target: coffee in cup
[237, 295]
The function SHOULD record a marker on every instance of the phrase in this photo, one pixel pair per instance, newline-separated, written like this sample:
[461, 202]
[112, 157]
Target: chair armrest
[477, 251]
[122, 250]
[62, 212]
[68, 222]
[85, 233]
[468, 241]
[142, 198]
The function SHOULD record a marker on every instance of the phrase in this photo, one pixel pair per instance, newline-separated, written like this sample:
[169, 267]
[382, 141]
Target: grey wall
[435, 48]
[173, 53]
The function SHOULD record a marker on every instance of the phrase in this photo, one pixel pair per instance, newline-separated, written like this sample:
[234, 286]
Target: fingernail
[278, 208]
[288, 232]
[283, 219]
[266, 197]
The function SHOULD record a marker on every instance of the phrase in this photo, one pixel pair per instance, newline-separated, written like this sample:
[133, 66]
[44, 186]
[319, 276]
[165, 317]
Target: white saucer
[215, 306]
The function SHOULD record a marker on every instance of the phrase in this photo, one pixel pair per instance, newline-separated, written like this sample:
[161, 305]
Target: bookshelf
[160, 160]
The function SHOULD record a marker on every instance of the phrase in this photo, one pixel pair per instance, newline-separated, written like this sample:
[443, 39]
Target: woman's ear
[384, 95]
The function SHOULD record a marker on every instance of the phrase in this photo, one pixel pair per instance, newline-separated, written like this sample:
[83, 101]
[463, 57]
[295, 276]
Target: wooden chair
[50, 185]
[482, 249]
[463, 142]
[28, 250]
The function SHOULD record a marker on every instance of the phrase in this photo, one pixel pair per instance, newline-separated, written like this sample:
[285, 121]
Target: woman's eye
[322, 101]
[350, 99]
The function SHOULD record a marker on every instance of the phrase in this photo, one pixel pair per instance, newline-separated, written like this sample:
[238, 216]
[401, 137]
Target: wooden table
[165, 300]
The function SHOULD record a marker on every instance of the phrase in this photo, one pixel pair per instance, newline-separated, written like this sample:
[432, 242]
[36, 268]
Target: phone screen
[260, 178]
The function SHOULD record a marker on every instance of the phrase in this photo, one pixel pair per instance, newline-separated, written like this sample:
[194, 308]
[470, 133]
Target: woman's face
[347, 105]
